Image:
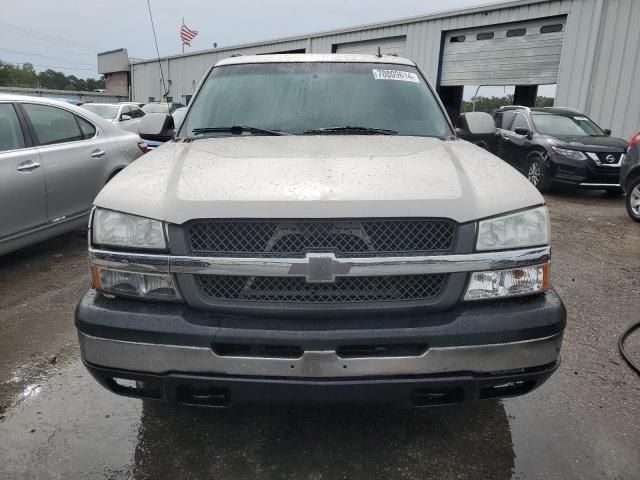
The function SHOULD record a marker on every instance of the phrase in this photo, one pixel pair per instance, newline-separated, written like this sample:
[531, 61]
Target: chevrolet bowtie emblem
[320, 268]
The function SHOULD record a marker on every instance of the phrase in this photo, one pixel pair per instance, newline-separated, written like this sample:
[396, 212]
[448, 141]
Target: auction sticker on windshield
[395, 75]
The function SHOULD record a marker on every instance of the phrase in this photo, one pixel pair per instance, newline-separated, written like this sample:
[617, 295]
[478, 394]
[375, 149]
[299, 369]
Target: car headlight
[527, 228]
[572, 154]
[117, 229]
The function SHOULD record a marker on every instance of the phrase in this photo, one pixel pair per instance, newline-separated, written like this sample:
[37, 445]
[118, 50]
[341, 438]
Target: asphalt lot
[57, 422]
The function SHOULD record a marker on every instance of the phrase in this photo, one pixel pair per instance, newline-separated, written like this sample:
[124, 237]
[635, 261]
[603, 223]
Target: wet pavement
[56, 422]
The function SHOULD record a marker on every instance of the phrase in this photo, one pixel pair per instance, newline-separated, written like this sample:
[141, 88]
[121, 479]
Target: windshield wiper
[348, 129]
[237, 129]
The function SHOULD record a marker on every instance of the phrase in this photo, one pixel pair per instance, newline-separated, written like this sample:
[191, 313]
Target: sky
[66, 35]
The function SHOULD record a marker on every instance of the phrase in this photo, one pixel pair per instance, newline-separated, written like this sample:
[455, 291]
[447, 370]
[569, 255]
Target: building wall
[117, 83]
[599, 58]
[612, 96]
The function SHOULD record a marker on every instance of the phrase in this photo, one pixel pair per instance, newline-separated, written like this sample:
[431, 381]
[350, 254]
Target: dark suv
[630, 177]
[558, 146]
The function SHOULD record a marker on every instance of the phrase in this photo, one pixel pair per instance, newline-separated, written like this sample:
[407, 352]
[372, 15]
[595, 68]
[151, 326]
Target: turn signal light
[134, 284]
[515, 282]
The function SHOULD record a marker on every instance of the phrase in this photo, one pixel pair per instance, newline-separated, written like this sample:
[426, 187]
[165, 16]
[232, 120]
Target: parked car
[558, 147]
[336, 245]
[54, 159]
[178, 116]
[161, 107]
[123, 115]
[630, 177]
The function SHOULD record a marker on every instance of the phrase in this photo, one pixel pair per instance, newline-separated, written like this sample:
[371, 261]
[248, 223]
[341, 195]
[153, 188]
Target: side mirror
[158, 127]
[607, 131]
[475, 126]
[124, 118]
[522, 131]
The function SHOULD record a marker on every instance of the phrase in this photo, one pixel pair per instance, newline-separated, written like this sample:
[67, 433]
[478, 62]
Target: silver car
[125, 116]
[54, 159]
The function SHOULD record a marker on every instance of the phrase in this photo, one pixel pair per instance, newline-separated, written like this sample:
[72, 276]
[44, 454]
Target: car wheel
[633, 199]
[537, 172]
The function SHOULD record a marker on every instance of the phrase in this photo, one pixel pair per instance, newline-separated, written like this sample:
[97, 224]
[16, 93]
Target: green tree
[54, 80]
[93, 84]
[12, 75]
[544, 102]
[487, 104]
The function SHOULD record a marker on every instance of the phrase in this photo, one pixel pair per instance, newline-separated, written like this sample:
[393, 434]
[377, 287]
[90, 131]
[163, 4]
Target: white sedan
[125, 116]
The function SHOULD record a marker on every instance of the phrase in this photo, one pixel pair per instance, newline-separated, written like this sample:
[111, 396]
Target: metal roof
[418, 18]
[311, 57]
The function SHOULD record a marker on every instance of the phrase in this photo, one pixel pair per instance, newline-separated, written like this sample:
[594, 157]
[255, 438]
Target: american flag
[186, 34]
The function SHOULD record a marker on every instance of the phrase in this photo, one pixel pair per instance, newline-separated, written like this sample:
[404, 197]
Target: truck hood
[318, 177]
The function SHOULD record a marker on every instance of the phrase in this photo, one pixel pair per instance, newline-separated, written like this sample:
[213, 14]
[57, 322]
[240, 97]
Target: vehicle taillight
[143, 147]
[634, 141]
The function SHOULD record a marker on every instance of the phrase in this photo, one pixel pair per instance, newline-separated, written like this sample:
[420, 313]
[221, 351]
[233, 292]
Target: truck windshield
[580, 126]
[316, 98]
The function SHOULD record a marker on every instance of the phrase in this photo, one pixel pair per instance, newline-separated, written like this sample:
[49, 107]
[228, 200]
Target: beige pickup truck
[316, 231]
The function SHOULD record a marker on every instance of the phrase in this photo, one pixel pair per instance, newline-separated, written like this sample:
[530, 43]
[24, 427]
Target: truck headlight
[528, 228]
[515, 282]
[115, 229]
[572, 154]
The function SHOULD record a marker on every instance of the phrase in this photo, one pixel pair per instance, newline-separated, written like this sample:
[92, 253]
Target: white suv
[315, 231]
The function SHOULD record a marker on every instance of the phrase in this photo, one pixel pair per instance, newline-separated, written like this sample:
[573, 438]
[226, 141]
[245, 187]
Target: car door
[517, 145]
[74, 154]
[22, 188]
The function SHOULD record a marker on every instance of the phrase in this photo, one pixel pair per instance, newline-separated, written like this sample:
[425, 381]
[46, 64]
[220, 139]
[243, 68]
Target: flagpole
[183, 41]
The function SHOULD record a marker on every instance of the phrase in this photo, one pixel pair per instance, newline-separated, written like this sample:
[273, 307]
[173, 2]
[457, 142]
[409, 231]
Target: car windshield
[105, 111]
[156, 108]
[298, 98]
[550, 124]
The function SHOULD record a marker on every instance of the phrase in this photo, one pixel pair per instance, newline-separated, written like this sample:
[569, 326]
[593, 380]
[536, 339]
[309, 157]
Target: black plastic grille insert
[293, 238]
[344, 289]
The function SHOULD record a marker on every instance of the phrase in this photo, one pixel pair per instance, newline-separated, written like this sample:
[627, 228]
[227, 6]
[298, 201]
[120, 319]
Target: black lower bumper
[584, 174]
[180, 355]
[423, 391]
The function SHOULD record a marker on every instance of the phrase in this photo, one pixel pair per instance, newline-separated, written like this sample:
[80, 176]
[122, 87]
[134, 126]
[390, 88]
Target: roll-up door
[388, 46]
[524, 53]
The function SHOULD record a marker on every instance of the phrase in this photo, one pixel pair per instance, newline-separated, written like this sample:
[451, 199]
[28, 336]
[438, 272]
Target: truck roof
[313, 57]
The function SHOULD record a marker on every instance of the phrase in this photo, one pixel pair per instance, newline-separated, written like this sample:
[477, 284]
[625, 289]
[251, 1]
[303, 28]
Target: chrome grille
[345, 289]
[294, 238]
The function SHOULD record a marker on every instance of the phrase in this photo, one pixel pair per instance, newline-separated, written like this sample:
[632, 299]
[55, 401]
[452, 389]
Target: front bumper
[472, 351]
[583, 173]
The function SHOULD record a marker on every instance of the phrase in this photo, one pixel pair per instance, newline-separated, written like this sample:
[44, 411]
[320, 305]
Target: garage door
[389, 46]
[526, 53]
